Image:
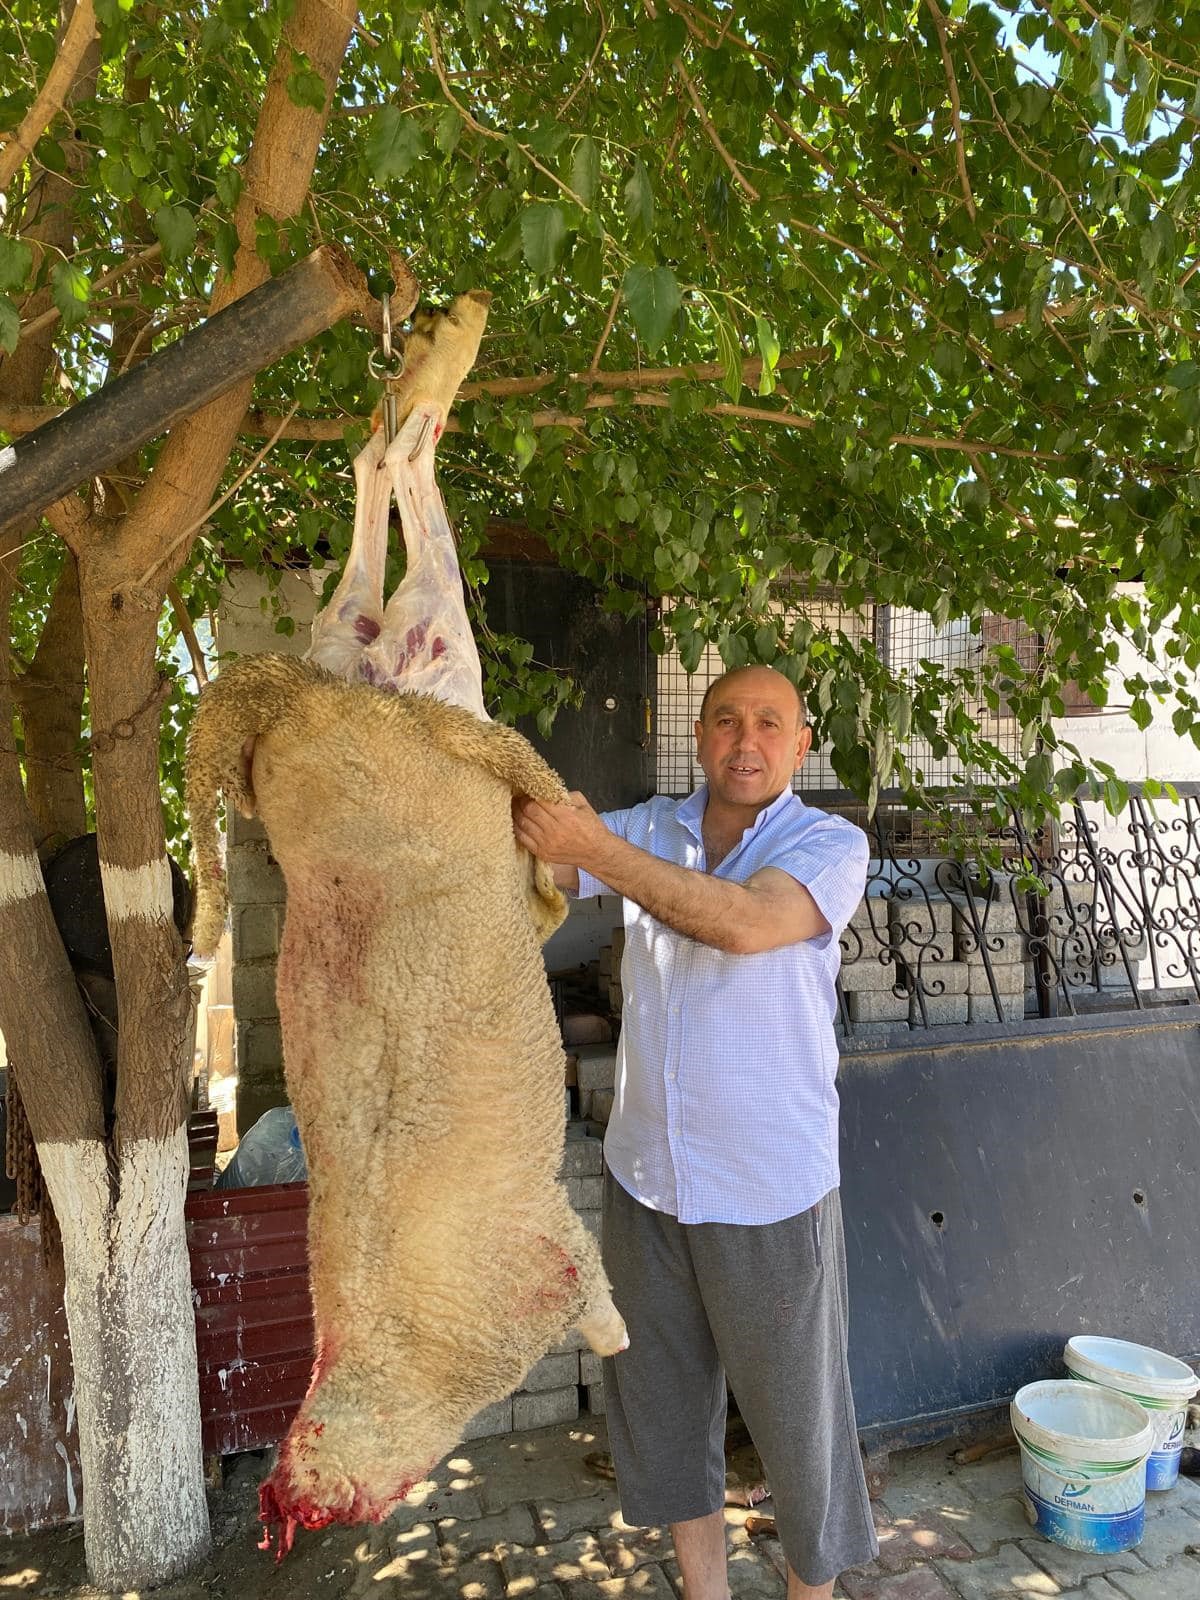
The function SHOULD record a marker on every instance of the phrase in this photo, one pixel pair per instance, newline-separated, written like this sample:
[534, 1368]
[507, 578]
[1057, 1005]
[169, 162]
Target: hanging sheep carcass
[445, 1256]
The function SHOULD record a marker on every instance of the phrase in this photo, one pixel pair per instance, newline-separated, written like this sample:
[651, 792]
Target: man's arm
[767, 911]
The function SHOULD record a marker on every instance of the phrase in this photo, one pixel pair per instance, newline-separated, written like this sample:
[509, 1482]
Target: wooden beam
[153, 396]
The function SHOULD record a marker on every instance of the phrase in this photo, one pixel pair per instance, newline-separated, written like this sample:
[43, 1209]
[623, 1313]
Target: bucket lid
[1081, 1423]
[1133, 1368]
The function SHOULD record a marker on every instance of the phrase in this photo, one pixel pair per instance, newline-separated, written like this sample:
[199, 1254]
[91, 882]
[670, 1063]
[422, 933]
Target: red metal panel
[254, 1344]
[254, 1337]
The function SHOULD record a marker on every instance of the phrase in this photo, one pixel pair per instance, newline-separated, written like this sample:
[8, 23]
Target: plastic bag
[270, 1152]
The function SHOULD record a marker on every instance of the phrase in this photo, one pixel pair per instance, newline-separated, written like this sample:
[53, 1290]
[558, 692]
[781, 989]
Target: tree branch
[184, 623]
[81, 30]
[939, 23]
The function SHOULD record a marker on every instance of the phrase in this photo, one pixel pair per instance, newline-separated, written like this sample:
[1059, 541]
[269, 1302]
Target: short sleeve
[616, 822]
[831, 861]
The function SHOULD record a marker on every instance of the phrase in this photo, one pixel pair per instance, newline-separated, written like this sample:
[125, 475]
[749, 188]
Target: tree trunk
[119, 1187]
[49, 696]
[133, 1344]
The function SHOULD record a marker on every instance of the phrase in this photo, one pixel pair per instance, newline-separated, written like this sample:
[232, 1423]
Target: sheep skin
[422, 1058]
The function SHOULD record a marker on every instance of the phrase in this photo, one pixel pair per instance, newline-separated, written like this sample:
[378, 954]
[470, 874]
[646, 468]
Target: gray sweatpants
[767, 1306]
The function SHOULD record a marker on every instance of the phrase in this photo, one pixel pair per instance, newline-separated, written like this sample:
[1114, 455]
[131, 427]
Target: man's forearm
[710, 910]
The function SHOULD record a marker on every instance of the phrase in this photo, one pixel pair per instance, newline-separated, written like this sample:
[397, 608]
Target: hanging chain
[126, 728]
[388, 364]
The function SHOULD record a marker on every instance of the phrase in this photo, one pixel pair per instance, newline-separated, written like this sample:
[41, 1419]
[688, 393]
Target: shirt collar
[690, 812]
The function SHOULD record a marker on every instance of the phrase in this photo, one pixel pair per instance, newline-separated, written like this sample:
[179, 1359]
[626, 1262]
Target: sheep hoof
[604, 1329]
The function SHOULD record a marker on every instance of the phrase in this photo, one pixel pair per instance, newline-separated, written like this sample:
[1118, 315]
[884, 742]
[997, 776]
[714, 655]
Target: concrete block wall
[246, 626]
[937, 938]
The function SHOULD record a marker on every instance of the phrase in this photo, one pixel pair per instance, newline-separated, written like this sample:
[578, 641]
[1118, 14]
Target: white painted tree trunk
[133, 1344]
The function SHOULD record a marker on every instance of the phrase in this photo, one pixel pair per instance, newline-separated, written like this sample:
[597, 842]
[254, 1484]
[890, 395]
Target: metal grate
[679, 695]
[905, 639]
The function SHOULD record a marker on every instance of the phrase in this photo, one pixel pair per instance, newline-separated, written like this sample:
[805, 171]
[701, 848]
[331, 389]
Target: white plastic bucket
[1157, 1381]
[1083, 1462]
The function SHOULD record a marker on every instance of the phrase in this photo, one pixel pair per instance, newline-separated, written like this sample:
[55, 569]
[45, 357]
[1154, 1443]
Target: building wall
[256, 887]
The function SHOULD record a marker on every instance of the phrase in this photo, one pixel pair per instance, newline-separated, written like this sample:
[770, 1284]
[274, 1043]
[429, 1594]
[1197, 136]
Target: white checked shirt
[725, 1107]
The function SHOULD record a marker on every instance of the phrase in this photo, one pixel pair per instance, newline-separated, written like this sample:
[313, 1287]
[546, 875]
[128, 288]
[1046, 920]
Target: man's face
[750, 740]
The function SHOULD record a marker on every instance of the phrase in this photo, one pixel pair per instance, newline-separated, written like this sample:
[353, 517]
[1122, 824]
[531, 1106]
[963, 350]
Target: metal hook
[387, 364]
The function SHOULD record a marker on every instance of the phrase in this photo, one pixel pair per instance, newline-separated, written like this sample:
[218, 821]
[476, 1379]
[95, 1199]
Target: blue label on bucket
[1100, 1532]
[1162, 1469]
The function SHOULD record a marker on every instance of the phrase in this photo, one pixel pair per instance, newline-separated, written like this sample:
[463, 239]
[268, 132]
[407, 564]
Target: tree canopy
[898, 301]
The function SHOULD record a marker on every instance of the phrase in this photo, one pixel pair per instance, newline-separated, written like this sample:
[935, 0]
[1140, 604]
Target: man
[722, 1231]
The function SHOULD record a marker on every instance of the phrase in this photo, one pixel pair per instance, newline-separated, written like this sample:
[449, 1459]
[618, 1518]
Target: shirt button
[671, 1076]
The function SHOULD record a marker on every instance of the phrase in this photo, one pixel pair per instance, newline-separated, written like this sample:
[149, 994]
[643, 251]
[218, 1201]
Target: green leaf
[72, 291]
[448, 131]
[10, 325]
[768, 348]
[543, 230]
[176, 229]
[585, 169]
[305, 85]
[1185, 375]
[1136, 119]
[729, 353]
[899, 714]
[394, 143]
[639, 199]
[653, 297]
[16, 258]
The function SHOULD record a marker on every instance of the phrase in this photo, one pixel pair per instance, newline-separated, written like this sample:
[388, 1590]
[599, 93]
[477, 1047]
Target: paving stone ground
[527, 1517]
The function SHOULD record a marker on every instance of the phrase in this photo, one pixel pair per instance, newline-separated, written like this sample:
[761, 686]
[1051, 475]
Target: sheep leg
[601, 1323]
[354, 615]
[425, 645]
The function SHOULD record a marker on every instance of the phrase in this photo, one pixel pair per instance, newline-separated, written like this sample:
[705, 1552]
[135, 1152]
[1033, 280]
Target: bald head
[766, 683]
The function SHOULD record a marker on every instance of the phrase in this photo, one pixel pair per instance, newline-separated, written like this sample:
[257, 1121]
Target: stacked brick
[608, 972]
[256, 895]
[930, 945]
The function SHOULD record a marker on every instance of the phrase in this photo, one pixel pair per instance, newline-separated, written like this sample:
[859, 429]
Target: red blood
[366, 628]
[439, 647]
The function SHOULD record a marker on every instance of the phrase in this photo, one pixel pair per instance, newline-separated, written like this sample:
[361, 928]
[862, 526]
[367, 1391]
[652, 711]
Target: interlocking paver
[1169, 1533]
[1070, 1567]
[627, 1549]
[1179, 1579]
[530, 1517]
[995, 1475]
[561, 1518]
[921, 1538]
[752, 1573]
[647, 1583]
[991, 1522]
[1006, 1575]
[931, 1482]
[460, 1539]
[921, 1583]
[567, 1561]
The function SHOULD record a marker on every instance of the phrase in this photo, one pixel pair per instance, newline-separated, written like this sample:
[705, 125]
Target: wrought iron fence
[1100, 912]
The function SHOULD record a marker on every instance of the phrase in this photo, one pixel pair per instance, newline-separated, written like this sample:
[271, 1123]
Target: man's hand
[569, 834]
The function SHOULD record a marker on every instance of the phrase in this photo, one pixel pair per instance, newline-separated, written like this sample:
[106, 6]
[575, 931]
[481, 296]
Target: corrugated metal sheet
[254, 1343]
[254, 1336]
